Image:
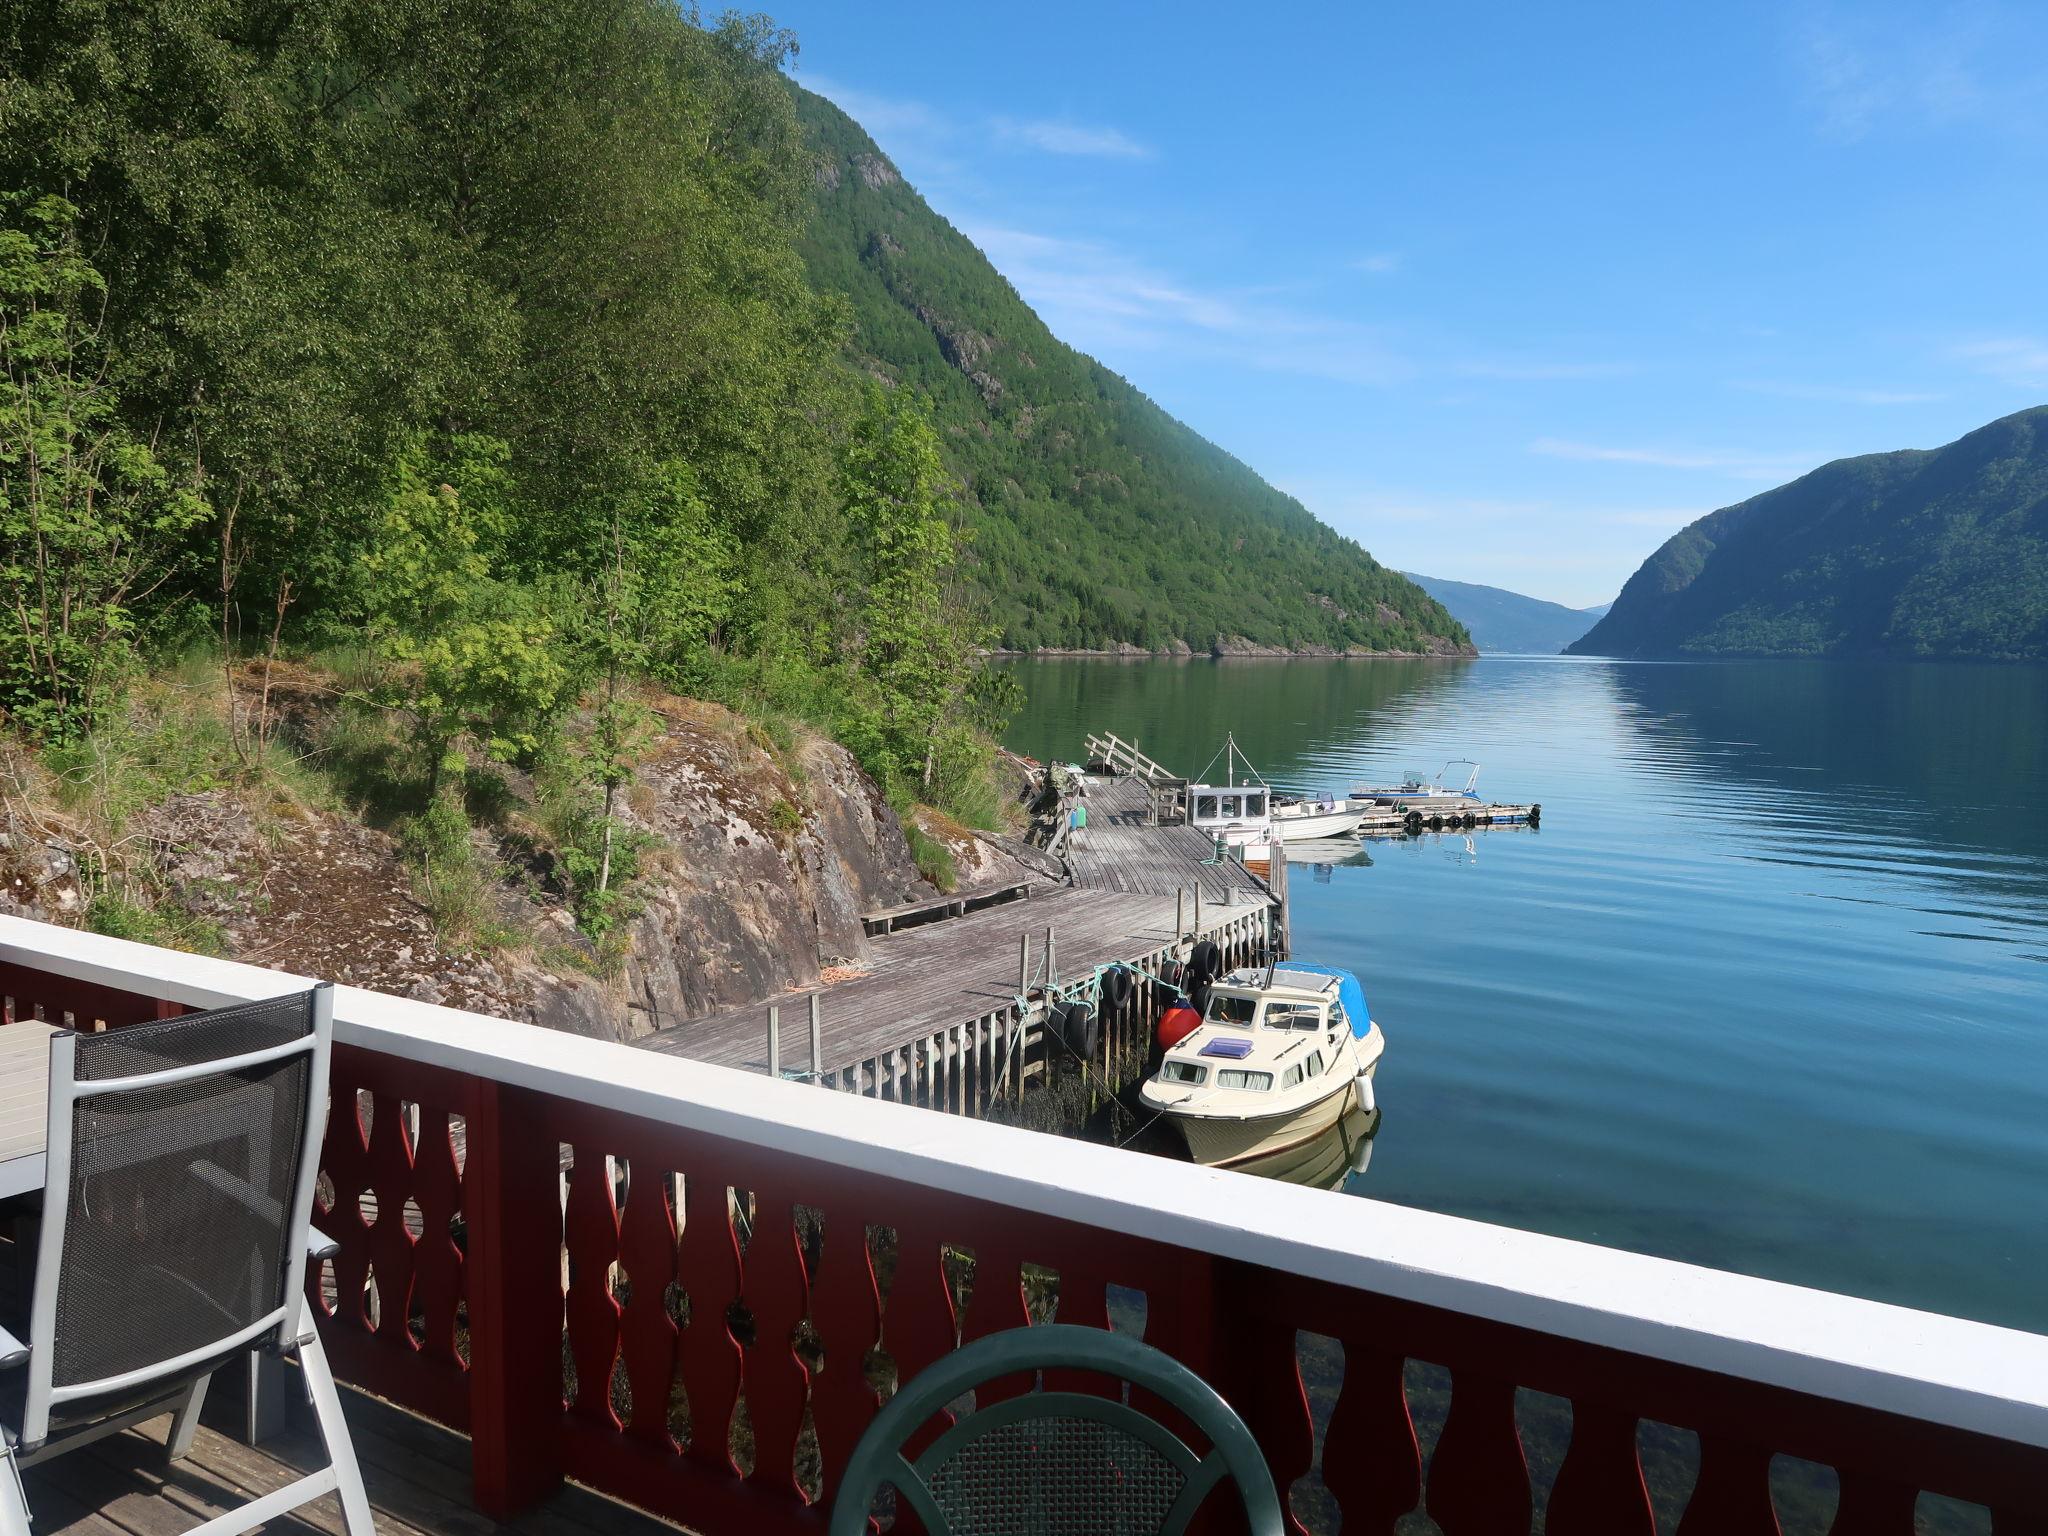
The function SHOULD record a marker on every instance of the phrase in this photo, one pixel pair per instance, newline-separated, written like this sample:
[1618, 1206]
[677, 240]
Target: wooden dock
[952, 1006]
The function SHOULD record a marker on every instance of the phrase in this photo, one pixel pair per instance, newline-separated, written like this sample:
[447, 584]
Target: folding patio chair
[175, 1236]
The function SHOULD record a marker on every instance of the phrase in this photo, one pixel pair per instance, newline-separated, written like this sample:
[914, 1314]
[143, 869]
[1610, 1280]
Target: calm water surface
[1767, 991]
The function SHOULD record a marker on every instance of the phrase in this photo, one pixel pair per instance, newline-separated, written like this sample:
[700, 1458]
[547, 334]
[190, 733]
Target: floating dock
[1406, 818]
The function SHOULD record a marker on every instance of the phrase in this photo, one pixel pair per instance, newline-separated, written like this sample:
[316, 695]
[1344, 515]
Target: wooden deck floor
[924, 980]
[927, 979]
[1119, 851]
[418, 1477]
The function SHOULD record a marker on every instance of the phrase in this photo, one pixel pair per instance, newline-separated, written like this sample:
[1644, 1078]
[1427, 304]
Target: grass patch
[933, 858]
[168, 927]
[450, 880]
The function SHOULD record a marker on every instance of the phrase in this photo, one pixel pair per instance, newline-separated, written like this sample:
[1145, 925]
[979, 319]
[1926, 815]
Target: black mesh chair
[1056, 1463]
[175, 1237]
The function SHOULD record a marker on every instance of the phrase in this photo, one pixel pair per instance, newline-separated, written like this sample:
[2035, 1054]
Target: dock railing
[715, 1252]
[1120, 756]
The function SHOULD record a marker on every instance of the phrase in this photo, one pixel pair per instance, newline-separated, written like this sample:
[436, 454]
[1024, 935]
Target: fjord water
[1768, 990]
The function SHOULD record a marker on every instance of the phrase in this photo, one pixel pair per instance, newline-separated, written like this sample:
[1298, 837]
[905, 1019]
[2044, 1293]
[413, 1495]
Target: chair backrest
[181, 1163]
[1055, 1462]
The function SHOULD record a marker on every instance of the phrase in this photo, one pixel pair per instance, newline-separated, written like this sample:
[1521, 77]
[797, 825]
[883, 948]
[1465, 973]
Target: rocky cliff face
[758, 881]
[759, 865]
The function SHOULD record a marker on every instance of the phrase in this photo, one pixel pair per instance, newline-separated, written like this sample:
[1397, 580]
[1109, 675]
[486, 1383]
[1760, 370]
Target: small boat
[1301, 820]
[1246, 813]
[1238, 813]
[1422, 793]
[1282, 1054]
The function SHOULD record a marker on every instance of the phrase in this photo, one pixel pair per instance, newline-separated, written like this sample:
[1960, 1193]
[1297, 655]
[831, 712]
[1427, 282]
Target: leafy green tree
[916, 646]
[89, 518]
[469, 655]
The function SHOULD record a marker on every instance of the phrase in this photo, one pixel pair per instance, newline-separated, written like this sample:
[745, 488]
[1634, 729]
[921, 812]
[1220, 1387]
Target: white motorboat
[1423, 793]
[1301, 820]
[1281, 1055]
[1245, 812]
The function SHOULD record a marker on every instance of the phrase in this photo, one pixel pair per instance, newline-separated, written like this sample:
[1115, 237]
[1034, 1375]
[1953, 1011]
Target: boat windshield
[1241, 1077]
[1205, 808]
[1184, 1072]
[1225, 1009]
[1294, 1016]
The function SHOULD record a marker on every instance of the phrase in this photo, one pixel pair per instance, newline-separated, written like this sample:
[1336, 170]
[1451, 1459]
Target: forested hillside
[1097, 518]
[1940, 552]
[460, 363]
[1501, 620]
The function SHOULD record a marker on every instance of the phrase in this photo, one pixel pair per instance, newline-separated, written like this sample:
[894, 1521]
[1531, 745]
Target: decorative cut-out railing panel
[691, 1289]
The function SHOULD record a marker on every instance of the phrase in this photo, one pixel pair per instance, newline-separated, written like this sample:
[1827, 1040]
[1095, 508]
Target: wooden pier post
[1195, 937]
[1180, 916]
[774, 1041]
[1023, 964]
[817, 1044]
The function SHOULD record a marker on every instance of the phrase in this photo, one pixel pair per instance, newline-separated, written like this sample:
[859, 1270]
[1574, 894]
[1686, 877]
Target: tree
[89, 519]
[919, 649]
[469, 654]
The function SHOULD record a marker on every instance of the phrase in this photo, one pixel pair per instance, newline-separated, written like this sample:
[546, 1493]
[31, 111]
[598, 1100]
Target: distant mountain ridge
[1924, 552]
[1099, 521]
[1501, 620]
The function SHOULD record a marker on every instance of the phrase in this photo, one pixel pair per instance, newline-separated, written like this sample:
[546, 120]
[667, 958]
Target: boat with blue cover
[1282, 1053]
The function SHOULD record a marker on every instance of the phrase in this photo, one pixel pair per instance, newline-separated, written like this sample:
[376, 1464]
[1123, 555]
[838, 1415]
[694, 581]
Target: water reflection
[1329, 1160]
[1769, 991]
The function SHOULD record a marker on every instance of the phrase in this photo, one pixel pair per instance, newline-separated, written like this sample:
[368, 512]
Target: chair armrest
[12, 1350]
[318, 1245]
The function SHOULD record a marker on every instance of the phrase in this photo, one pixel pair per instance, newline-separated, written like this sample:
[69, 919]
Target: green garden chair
[1056, 1463]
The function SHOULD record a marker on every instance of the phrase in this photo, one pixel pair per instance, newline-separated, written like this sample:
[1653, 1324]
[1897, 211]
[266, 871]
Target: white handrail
[1922, 1365]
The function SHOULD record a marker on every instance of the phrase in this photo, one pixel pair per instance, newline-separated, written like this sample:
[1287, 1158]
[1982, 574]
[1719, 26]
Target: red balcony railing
[688, 1288]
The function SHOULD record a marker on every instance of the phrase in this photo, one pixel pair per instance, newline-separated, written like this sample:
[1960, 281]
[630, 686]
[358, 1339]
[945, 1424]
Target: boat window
[1338, 1018]
[1255, 805]
[1315, 1063]
[1230, 804]
[1292, 1076]
[1184, 1072]
[1205, 808]
[1240, 1077]
[1293, 1016]
[1225, 1009]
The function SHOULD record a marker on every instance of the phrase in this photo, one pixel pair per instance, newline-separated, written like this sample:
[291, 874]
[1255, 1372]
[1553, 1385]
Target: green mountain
[1098, 520]
[1940, 552]
[1501, 620]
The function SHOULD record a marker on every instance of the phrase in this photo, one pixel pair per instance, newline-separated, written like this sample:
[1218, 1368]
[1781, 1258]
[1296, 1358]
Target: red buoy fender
[1176, 1024]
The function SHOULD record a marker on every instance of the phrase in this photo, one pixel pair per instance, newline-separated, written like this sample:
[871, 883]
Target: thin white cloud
[1378, 262]
[1062, 137]
[1841, 84]
[2021, 361]
[1742, 464]
[1666, 518]
[1538, 370]
[1841, 394]
[1864, 71]
[884, 117]
[1104, 300]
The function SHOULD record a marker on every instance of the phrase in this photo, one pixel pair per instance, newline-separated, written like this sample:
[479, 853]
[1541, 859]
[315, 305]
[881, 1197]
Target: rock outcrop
[759, 861]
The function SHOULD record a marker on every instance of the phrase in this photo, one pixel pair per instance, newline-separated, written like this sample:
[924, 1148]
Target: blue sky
[1507, 292]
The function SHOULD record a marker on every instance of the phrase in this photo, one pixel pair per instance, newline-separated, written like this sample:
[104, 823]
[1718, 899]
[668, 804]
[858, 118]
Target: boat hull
[1307, 826]
[1223, 1143]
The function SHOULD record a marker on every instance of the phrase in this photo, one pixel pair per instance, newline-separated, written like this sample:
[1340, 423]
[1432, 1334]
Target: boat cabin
[1237, 813]
[1255, 1038]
